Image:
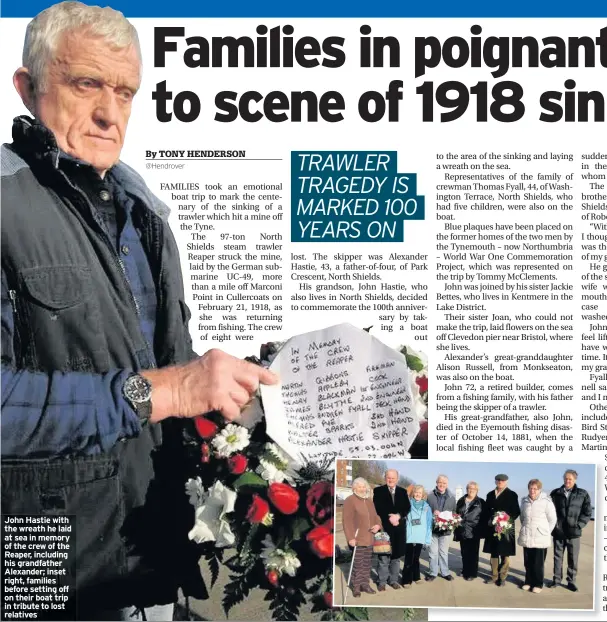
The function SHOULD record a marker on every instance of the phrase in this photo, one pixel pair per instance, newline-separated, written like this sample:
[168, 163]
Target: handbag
[381, 543]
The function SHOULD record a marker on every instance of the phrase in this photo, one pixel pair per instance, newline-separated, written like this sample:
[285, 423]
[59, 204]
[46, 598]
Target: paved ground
[460, 593]
[254, 608]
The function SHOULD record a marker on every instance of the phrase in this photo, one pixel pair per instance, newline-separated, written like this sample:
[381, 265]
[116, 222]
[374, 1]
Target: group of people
[409, 519]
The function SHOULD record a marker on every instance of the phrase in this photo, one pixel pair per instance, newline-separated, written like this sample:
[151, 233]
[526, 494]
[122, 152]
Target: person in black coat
[573, 512]
[472, 510]
[392, 505]
[502, 499]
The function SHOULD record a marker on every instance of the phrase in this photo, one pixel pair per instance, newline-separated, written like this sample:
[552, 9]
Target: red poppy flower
[321, 540]
[237, 464]
[319, 501]
[284, 497]
[422, 383]
[205, 427]
[259, 511]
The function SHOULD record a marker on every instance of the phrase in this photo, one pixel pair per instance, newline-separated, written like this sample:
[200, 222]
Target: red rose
[321, 540]
[328, 596]
[237, 464]
[272, 576]
[422, 383]
[205, 427]
[319, 501]
[284, 497]
[259, 511]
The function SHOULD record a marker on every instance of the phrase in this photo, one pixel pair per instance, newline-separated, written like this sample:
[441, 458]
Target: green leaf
[300, 526]
[414, 362]
[245, 551]
[355, 613]
[234, 592]
[250, 480]
[268, 456]
[214, 568]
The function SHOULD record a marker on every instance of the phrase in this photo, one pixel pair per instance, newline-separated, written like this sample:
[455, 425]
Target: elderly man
[392, 505]
[440, 500]
[97, 361]
[573, 512]
[502, 499]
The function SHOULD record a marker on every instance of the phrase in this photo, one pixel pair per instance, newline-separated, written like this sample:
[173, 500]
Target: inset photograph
[418, 533]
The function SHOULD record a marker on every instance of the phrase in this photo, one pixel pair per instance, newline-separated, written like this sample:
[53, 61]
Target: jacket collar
[35, 142]
[445, 494]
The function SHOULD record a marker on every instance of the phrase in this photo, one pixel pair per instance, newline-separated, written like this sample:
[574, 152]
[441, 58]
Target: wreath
[265, 516]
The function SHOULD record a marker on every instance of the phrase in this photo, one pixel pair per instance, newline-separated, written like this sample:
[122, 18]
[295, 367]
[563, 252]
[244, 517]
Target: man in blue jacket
[97, 360]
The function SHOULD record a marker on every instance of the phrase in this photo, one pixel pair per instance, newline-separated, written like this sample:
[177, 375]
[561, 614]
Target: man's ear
[24, 83]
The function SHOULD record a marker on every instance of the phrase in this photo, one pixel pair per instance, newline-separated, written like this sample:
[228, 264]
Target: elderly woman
[419, 534]
[472, 510]
[538, 519]
[360, 522]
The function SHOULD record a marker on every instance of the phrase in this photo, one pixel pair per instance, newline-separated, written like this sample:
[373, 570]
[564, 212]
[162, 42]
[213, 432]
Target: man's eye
[86, 83]
[126, 95]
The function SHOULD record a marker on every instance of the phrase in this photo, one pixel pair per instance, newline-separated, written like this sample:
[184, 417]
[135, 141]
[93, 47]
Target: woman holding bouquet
[471, 508]
[419, 534]
[360, 522]
[538, 519]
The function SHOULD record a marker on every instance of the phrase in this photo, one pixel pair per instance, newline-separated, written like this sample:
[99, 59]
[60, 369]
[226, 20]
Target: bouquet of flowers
[275, 514]
[446, 522]
[381, 543]
[502, 525]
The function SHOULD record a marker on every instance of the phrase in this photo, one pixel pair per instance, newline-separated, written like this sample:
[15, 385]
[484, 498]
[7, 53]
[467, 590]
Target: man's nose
[106, 112]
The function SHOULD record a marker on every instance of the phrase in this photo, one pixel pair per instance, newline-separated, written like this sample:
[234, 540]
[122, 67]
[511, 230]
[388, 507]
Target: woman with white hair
[538, 519]
[419, 534]
[360, 522]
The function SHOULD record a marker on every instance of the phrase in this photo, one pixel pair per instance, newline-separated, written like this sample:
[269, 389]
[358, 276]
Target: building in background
[343, 474]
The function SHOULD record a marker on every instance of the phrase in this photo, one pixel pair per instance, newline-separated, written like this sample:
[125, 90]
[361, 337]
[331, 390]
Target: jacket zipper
[12, 294]
[118, 260]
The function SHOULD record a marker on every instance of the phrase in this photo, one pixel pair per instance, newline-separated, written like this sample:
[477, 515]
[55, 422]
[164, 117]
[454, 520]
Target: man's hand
[375, 528]
[214, 381]
[436, 512]
[352, 542]
[394, 519]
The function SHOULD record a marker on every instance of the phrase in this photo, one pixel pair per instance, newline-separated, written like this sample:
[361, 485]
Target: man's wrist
[137, 392]
[163, 394]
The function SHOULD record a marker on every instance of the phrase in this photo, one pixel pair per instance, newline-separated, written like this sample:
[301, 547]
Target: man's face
[86, 103]
[500, 484]
[569, 481]
[442, 483]
[391, 478]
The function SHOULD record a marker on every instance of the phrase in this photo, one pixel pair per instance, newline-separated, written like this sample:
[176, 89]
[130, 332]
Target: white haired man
[573, 513]
[96, 351]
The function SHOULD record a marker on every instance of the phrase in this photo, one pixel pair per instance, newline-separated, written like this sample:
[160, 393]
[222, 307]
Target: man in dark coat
[392, 505]
[98, 368]
[502, 499]
[573, 512]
